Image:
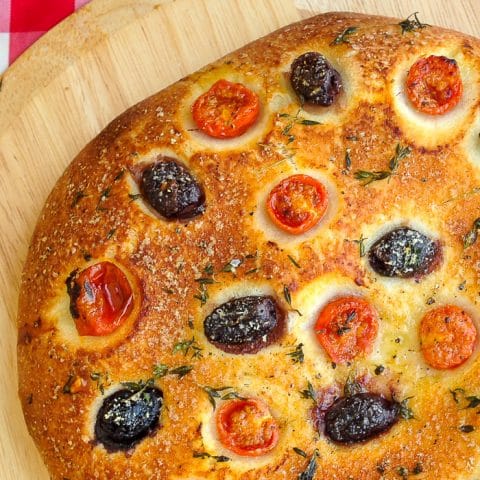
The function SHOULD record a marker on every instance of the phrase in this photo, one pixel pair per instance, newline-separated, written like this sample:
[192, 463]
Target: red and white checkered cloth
[23, 21]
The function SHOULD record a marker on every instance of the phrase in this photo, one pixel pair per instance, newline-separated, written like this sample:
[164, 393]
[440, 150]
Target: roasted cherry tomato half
[226, 110]
[246, 427]
[347, 328]
[297, 203]
[447, 337]
[434, 85]
[100, 298]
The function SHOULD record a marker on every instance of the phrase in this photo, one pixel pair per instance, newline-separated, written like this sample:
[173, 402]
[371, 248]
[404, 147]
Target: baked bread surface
[95, 213]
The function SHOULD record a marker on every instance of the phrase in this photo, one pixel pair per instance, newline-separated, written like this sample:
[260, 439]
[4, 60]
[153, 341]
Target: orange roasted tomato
[246, 427]
[226, 110]
[434, 85]
[347, 328]
[447, 337]
[100, 299]
[297, 203]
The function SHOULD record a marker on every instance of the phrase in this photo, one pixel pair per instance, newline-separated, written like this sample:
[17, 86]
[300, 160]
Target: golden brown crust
[89, 216]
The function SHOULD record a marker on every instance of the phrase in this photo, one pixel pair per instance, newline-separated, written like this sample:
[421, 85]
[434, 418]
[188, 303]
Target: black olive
[314, 80]
[245, 324]
[404, 253]
[172, 190]
[127, 416]
[360, 417]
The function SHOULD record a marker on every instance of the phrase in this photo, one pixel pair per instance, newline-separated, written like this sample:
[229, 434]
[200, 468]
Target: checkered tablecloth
[23, 21]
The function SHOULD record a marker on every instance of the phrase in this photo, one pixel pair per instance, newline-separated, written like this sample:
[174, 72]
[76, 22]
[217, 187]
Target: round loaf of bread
[269, 270]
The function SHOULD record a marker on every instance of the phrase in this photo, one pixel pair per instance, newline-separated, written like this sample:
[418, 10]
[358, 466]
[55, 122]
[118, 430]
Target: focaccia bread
[269, 270]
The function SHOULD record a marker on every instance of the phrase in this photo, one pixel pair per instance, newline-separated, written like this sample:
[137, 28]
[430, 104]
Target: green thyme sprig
[412, 23]
[344, 36]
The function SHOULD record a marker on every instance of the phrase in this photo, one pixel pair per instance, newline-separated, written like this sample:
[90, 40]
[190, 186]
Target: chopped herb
[471, 237]
[202, 295]
[205, 280]
[455, 393]
[405, 411]
[304, 121]
[97, 377]
[297, 355]
[160, 370]
[473, 402]
[181, 371]
[288, 299]
[68, 384]
[293, 261]
[348, 160]
[379, 369]
[253, 270]
[214, 393]
[111, 233]
[87, 256]
[140, 386]
[188, 345]
[368, 177]
[309, 393]
[400, 154]
[430, 301]
[311, 469]
[352, 387]
[218, 458]
[134, 196]
[361, 245]
[78, 196]
[208, 269]
[402, 471]
[343, 37]
[410, 24]
[119, 175]
[300, 452]
[418, 468]
[232, 265]
[232, 395]
[466, 428]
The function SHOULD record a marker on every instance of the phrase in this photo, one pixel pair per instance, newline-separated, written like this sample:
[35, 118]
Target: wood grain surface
[78, 77]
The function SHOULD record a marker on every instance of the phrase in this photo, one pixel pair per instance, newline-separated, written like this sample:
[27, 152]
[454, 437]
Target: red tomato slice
[434, 85]
[246, 427]
[102, 300]
[226, 110]
[347, 328]
[447, 337]
[297, 203]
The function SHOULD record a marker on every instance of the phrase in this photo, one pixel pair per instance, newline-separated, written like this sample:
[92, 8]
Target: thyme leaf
[471, 237]
[343, 37]
[288, 299]
[214, 393]
[293, 261]
[348, 160]
[218, 458]
[297, 355]
[309, 393]
[181, 371]
[134, 196]
[311, 469]
[300, 452]
[412, 23]
[405, 411]
[187, 345]
[78, 196]
[361, 245]
[369, 177]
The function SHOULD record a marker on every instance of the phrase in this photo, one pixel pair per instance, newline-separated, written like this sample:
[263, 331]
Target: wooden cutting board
[85, 72]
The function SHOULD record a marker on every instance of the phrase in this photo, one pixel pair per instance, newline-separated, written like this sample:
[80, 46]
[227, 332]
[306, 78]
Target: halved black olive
[245, 324]
[127, 416]
[404, 252]
[360, 417]
[172, 190]
[314, 80]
